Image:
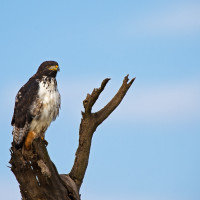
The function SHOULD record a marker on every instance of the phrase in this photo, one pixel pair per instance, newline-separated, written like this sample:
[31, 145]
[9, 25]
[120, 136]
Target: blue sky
[148, 149]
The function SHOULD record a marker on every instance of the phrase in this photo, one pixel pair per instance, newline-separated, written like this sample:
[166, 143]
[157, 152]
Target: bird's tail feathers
[19, 135]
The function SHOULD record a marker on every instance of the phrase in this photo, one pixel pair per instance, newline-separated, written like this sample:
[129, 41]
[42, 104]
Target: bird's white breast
[49, 99]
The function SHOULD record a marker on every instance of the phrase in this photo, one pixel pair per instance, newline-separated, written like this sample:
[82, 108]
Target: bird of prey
[37, 104]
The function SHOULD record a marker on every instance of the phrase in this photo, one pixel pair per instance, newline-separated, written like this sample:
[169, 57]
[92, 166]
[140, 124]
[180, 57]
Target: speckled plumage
[37, 104]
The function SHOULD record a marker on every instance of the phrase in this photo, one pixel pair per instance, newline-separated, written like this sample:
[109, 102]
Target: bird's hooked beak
[54, 68]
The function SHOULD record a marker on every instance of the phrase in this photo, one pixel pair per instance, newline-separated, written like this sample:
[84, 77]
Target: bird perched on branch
[37, 104]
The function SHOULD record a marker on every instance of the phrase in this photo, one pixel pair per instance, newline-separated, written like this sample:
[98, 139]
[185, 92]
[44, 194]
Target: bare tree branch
[89, 123]
[115, 101]
[91, 99]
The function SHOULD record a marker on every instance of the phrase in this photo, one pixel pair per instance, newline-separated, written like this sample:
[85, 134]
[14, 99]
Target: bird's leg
[29, 139]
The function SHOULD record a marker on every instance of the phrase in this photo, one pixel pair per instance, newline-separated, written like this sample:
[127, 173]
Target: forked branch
[115, 101]
[90, 122]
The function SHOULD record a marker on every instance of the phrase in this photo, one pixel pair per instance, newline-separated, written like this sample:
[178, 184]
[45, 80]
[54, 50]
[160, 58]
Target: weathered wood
[37, 175]
[89, 123]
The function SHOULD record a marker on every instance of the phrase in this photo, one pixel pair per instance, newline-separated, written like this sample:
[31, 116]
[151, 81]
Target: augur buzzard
[37, 104]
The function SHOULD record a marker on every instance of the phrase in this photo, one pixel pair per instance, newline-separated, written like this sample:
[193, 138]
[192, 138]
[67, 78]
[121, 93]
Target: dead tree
[37, 175]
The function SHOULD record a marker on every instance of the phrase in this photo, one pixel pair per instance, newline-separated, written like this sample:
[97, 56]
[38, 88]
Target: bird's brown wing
[23, 116]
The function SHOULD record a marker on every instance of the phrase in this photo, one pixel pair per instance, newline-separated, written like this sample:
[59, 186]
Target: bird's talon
[45, 142]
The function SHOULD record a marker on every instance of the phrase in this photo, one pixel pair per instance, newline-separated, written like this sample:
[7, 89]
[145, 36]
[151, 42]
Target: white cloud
[163, 103]
[177, 20]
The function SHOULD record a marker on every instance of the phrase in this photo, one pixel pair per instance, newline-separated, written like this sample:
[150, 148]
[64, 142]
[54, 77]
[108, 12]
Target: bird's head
[48, 68]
